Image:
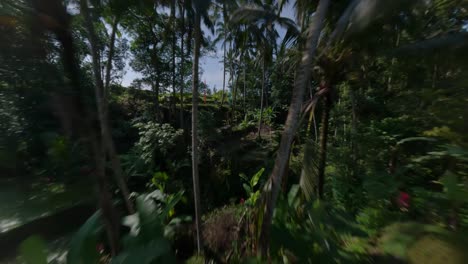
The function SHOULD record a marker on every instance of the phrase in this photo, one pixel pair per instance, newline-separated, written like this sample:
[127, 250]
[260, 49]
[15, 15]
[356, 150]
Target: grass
[421, 243]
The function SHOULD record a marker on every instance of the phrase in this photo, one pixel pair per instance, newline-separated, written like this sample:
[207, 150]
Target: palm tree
[261, 19]
[221, 32]
[224, 32]
[272, 187]
[200, 10]
[182, 8]
[355, 18]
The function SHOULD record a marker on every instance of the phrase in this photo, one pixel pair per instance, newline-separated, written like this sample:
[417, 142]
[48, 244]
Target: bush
[372, 219]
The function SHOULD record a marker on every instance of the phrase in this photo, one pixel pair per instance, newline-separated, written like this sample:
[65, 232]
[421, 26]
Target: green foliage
[147, 243]
[268, 116]
[456, 192]
[409, 239]
[246, 123]
[64, 157]
[372, 219]
[148, 240]
[207, 130]
[196, 260]
[249, 187]
[155, 137]
[159, 180]
[252, 117]
[33, 251]
[309, 172]
[310, 231]
[397, 73]
[155, 144]
[83, 246]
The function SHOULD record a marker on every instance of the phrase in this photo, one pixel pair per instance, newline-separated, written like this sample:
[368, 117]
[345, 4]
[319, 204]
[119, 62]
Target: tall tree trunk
[100, 149]
[101, 102]
[156, 97]
[323, 145]
[233, 86]
[173, 50]
[110, 57]
[195, 81]
[110, 146]
[261, 99]
[181, 71]
[109, 214]
[272, 187]
[223, 94]
[224, 72]
[234, 99]
[97, 150]
[245, 105]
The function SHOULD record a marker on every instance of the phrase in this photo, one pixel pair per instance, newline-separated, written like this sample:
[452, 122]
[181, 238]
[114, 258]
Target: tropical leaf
[293, 197]
[83, 244]
[309, 172]
[33, 251]
[455, 191]
[256, 177]
[412, 139]
[256, 14]
[247, 189]
[156, 250]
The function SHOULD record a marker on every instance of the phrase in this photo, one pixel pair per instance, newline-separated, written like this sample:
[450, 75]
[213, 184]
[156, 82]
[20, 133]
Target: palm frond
[309, 173]
[251, 14]
[343, 22]
[448, 43]
[288, 24]
[290, 37]
[368, 11]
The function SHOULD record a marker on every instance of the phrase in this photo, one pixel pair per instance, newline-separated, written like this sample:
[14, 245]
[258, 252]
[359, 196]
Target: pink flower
[403, 200]
[242, 201]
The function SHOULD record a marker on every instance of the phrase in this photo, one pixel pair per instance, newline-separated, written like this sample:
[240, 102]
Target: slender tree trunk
[354, 120]
[272, 187]
[181, 71]
[111, 150]
[233, 86]
[173, 44]
[109, 215]
[195, 81]
[231, 69]
[245, 105]
[101, 93]
[71, 67]
[261, 100]
[110, 57]
[224, 72]
[156, 97]
[100, 149]
[189, 38]
[223, 94]
[323, 145]
[234, 99]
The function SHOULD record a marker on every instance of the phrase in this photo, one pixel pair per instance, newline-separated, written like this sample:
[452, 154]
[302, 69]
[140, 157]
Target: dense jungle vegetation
[339, 135]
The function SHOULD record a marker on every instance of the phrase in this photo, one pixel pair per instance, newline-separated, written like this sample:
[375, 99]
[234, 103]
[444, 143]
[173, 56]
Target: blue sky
[212, 66]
